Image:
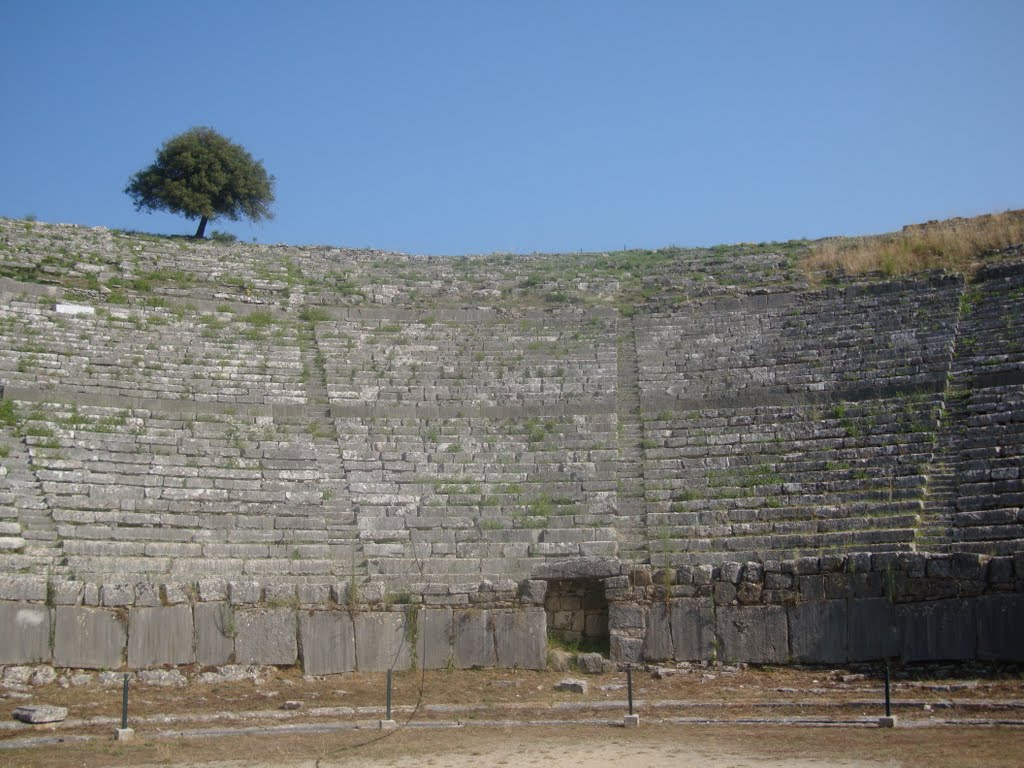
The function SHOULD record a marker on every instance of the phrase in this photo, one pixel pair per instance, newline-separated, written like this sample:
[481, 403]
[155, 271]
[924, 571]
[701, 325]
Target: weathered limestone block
[658, 637]
[24, 633]
[940, 630]
[328, 642]
[755, 634]
[88, 638]
[579, 568]
[265, 636]
[215, 633]
[626, 616]
[872, 631]
[818, 632]
[693, 628]
[40, 713]
[625, 649]
[381, 642]
[1000, 624]
[435, 632]
[520, 638]
[474, 640]
[159, 636]
[23, 588]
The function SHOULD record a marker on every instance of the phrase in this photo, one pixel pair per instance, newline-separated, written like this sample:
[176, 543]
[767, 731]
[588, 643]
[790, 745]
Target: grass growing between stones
[956, 245]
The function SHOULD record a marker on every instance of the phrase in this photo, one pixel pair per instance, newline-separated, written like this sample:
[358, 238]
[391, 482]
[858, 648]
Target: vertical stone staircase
[632, 520]
[339, 515]
[28, 535]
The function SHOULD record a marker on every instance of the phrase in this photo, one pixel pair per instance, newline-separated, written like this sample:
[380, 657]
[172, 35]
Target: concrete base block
[124, 734]
[887, 722]
[631, 721]
[387, 725]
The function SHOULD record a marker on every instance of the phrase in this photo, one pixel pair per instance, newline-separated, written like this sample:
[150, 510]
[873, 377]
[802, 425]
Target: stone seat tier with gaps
[237, 429]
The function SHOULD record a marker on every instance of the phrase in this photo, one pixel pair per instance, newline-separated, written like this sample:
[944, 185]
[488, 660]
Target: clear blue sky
[471, 126]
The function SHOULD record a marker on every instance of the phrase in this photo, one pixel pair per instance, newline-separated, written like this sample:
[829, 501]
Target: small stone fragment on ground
[42, 676]
[291, 704]
[40, 713]
[162, 677]
[590, 663]
[572, 685]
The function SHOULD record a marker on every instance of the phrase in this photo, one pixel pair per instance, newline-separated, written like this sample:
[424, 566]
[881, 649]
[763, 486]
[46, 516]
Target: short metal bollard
[124, 733]
[388, 724]
[631, 720]
[889, 721]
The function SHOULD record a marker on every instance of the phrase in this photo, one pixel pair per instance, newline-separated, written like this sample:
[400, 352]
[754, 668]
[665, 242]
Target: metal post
[629, 687]
[888, 701]
[124, 703]
[389, 695]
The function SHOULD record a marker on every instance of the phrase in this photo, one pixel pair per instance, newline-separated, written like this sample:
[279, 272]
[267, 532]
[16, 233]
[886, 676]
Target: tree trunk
[201, 232]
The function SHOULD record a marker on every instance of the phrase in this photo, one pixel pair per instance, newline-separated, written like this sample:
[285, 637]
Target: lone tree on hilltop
[202, 175]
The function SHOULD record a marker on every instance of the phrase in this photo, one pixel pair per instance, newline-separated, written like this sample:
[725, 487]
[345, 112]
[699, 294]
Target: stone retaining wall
[823, 610]
[815, 610]
[213, 623]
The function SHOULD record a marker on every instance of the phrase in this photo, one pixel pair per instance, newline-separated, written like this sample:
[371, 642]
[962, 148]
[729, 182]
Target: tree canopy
[202, 175]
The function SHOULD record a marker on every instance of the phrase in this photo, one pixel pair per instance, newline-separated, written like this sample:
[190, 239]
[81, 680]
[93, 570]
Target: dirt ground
[699, 716]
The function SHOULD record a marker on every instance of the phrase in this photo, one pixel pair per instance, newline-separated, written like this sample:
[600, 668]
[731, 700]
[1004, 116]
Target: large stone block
[215, 633]
[872, 632]
[818, 632]
[942, 630]
[328, 642]
[625, 616]
[625, 650]
[434, 634]
[520, 638]
[265, 636]
[88, 638]
[1000, 624]
[658, 637]
[753, 634]
[693, 628]
[474, 640]
[24, 633]
[578, 568]
[159, 636]
[381, 642]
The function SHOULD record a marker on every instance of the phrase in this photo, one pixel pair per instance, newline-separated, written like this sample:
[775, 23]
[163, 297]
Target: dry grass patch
[957, 245]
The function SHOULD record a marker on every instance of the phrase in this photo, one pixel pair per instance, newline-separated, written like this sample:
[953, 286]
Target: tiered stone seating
[463, 499]
[787, 481]
[288, 414]
[985, 423]
[470, 359]
[171, 352]
[147, 494]
[885, 338]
